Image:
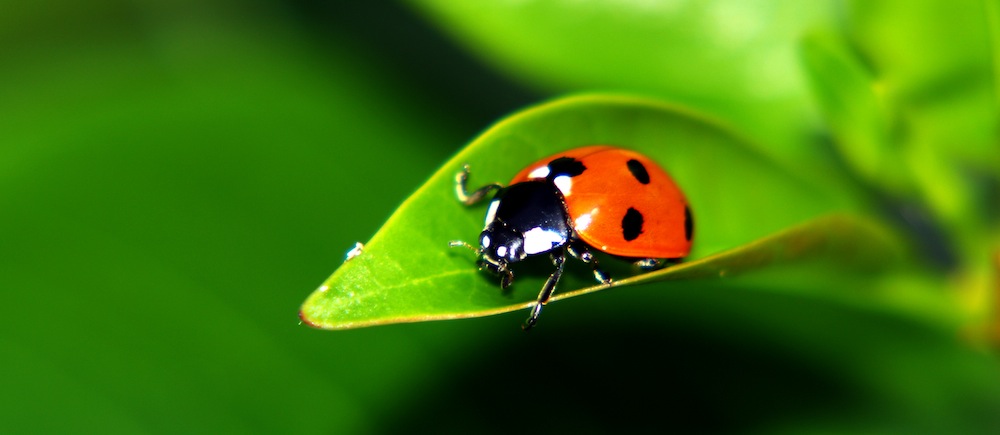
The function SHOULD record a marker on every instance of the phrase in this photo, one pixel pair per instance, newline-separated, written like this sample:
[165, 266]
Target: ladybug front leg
[461, 188]
[558, 260]
[580, 251]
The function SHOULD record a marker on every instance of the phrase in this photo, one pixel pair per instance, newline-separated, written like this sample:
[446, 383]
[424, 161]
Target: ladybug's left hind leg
[462, 191]
[558, 260]
[580, 251]
[648, 264]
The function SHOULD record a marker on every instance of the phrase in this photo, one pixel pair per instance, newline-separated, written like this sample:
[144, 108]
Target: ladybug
[598, 197]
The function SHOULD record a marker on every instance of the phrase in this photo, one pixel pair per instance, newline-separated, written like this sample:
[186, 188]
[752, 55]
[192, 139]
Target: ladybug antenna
[459, 244]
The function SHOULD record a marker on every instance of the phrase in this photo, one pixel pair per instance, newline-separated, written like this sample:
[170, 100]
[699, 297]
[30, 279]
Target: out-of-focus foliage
[721, 57]
[175, 177]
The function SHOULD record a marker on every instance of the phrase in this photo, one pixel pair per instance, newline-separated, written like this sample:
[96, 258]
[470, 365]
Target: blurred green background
[177, 176]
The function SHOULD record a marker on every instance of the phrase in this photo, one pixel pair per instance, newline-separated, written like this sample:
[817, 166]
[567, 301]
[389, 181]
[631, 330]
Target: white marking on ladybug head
[564, 183]
[538, 240]
[501, 251]
[540, 172]
[491, 213]
[486, 241]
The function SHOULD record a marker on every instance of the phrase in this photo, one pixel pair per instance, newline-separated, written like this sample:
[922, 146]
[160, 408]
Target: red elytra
[617, 182]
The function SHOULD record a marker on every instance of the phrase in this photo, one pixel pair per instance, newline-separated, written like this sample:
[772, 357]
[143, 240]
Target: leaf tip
[305, 319]
[307, 312]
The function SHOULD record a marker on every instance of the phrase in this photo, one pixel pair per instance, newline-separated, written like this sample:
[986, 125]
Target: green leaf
[935, 64]
[407, 273]
[855, 112]
[726, 58]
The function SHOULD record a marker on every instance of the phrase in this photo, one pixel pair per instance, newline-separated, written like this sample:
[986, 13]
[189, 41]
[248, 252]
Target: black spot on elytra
[688, 223]
[638, 171]
[565, 166]
[632, 224]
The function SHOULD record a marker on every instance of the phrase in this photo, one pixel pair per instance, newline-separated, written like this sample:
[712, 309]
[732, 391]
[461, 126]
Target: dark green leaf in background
[173, 178]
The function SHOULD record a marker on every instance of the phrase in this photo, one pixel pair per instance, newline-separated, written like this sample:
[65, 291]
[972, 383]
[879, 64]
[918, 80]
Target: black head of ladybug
[500, 245]
[523, 220]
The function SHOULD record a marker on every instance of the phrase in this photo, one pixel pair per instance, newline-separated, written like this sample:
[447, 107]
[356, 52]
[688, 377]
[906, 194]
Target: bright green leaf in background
[737, 61]
[855, 111]
[933, 69]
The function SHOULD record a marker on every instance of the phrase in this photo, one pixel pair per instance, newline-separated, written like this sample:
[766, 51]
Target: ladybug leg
[507, 279]
[580, 251]
[648, 263]
[462, 192]
[558, 259]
